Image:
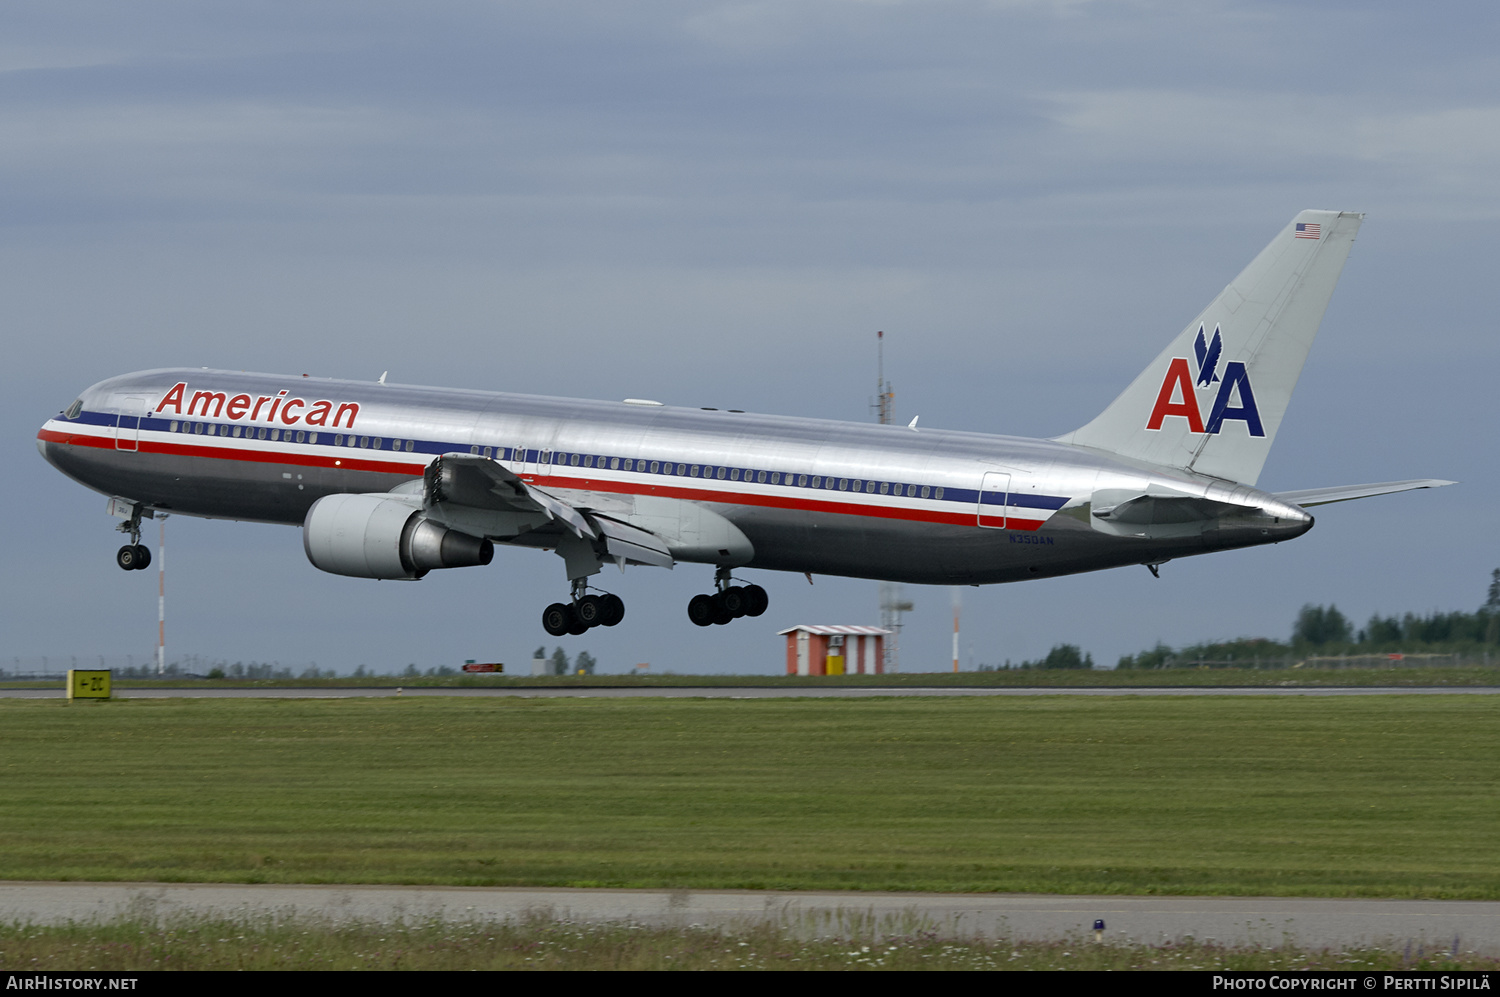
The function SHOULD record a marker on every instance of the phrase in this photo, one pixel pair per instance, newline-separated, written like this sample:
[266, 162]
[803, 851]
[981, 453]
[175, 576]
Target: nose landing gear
[584, 613]
[728, 602]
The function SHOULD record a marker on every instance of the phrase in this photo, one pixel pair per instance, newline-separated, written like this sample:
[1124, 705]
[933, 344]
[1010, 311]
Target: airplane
[392, 481]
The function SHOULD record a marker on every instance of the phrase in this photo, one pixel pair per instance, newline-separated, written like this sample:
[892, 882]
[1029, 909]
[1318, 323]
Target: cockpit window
[72, 411]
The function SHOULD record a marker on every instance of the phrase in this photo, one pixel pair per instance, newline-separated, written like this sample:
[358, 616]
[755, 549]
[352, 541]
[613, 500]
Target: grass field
[1460, 675]
[133, 944]
[1369, 796]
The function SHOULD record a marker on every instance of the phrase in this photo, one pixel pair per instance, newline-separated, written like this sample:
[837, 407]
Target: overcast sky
[719, 204]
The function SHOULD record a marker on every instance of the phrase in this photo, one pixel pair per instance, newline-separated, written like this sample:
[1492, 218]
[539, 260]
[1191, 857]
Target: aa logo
[1179, 391]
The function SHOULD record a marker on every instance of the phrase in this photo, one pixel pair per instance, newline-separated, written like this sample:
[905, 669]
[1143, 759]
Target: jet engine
[375, 536]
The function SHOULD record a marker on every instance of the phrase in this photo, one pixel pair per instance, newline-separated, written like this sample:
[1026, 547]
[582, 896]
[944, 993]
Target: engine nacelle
[373, 536]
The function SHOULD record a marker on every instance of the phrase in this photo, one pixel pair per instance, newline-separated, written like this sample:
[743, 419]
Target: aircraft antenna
[892, 603]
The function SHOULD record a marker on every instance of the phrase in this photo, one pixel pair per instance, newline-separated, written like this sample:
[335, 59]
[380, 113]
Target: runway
[1237, 921]
[746, 692]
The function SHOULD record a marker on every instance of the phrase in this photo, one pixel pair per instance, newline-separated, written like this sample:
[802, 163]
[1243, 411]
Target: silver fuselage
[836, 498]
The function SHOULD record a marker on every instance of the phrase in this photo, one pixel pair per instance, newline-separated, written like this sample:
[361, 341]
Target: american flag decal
[1309, 230]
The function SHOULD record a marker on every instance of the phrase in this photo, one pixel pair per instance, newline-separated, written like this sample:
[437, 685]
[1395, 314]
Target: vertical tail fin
[1213, 400]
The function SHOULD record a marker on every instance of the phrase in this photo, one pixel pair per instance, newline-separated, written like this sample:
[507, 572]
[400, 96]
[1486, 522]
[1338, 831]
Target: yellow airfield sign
[88, 683]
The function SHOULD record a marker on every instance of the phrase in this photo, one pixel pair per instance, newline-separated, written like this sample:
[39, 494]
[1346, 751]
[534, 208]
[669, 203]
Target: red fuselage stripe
[344, 463]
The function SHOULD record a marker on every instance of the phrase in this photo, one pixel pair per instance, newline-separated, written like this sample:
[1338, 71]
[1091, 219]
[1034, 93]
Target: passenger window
[926, 491]
[311, 437]
[775, 477]
[261, 433]
[198, 428]
[760, 476]
[654, 466]
[474, 450]
[410, 444]
[573, 460]
[720, 473]
[869, 487]
[802, 481]
[376, 442]
[682, 469]
[843, 484]
[629, 464]
[817, 481]
[589, 461]
[276, 434]
[236, 432]
[364, 441]
[734, 474]
[338, 440]
[488, 451]
[885, 488]
[614, 463]
[694, 470]
[174, 427]
[301, 436]
[938, 492]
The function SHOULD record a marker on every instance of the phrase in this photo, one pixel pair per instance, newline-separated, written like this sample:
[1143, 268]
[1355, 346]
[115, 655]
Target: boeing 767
[392, 481]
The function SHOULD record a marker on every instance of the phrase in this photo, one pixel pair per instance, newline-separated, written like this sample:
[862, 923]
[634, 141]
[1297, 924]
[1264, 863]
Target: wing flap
[481, 483]
[623, 541]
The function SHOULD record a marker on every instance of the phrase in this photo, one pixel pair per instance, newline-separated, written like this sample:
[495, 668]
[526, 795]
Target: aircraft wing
[1343, 493]
[481, 483]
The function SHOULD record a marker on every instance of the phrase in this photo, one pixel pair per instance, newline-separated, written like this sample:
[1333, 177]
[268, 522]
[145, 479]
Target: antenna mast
[892, 603]
[885, 398]
[161, 597]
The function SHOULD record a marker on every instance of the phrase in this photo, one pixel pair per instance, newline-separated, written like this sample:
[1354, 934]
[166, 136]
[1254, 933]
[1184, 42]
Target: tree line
[1323, 633]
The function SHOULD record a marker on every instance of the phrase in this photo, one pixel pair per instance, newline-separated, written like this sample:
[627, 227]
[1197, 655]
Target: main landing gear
[728, 602]
[584, 613]
[134, 556]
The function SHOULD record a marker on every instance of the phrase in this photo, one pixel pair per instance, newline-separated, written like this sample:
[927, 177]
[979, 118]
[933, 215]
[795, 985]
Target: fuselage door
[994, 494]
[128, 422]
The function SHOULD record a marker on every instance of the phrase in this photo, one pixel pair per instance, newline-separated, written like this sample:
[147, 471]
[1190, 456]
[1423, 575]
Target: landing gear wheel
[722, 615]
[614, 610]
[579, 627]
[756, 600]
[557, 619]
[735, 601]
[701, 610]
[142, 557]
[126, 556]
[590, 610]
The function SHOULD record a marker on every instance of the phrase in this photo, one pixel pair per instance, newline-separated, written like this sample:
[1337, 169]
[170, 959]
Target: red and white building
[833, 650]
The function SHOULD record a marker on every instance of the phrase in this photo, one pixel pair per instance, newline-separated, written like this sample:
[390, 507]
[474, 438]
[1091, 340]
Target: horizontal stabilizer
[1343, 493]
